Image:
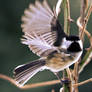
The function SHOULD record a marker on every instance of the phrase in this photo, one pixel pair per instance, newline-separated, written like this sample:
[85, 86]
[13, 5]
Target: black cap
[72, 38]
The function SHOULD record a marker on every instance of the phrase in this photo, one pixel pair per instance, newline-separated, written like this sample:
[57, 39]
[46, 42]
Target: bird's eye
[74, 47]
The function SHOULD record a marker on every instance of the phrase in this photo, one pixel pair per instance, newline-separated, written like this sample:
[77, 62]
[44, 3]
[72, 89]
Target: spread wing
[39, 25]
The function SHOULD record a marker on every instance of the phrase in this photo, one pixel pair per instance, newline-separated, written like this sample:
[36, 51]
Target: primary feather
[37, 28]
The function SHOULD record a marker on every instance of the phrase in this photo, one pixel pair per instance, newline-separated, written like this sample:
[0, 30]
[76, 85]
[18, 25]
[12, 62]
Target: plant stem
[66, 16]
[67, 31]
[66, 86]
[85, 60]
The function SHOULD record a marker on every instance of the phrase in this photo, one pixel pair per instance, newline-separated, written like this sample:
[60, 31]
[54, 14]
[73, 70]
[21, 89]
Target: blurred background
[13, 53]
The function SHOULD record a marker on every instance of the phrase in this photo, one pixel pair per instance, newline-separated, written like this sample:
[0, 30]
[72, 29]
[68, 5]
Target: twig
[84, 6]
[58, 7]
[87, 58]
[82, 83]
[86, 21]
[52, 90]
[70, 77]
[88, 15]
[61, 89]
[47, 83]
[39, 84]
[86, 32]
[11, 80]
[76, 76]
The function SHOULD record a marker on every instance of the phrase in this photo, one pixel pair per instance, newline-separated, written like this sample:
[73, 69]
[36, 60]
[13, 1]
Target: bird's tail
[24, 72]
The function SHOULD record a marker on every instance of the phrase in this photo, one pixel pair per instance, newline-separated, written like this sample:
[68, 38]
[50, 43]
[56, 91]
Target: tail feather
[24, 72]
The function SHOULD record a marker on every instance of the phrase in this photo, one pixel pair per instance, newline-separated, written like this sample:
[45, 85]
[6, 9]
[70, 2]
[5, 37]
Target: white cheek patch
[65, 44]
[81, 44]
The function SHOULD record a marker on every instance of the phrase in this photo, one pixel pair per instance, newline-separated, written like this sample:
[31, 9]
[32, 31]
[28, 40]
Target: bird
[44, 35]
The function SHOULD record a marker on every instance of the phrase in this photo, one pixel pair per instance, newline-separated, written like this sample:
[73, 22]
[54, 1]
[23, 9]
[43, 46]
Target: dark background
[13, 53]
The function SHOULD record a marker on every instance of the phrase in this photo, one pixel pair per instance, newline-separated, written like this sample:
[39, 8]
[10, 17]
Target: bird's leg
[57, 75]
[65, 81]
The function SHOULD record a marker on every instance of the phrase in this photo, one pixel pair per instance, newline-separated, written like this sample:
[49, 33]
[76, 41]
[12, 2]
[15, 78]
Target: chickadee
[45, 37]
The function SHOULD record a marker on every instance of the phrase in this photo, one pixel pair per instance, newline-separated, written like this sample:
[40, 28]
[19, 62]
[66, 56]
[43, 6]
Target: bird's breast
[58, 62]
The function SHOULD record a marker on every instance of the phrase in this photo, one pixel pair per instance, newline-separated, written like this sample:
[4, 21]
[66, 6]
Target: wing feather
[37, 28]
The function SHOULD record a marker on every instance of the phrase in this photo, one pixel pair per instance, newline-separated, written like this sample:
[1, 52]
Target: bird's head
[72, 44]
